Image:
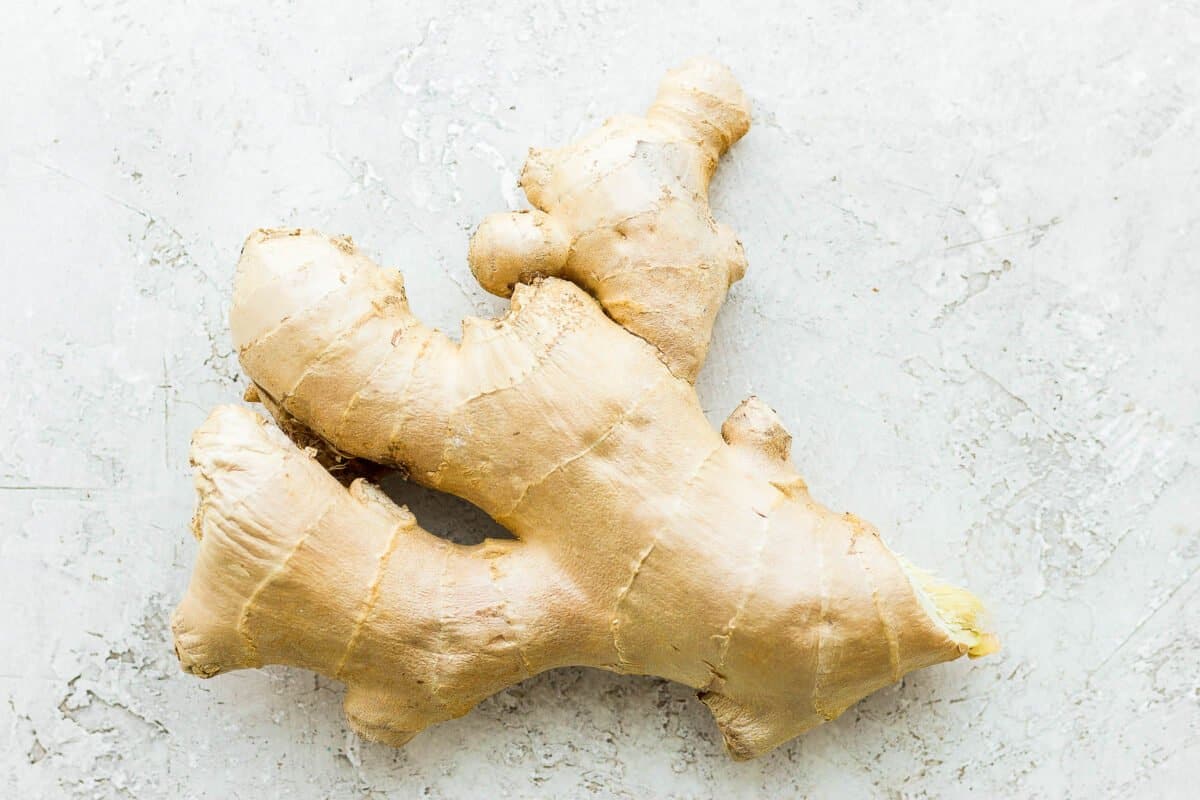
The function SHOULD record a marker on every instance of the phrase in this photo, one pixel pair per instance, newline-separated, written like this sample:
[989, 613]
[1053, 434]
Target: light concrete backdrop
[973, 296]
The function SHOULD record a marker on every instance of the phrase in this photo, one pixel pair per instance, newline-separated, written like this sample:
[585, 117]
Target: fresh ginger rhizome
[646, 542]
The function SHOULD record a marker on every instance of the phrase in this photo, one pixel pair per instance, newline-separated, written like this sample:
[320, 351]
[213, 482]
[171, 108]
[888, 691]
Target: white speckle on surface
[973, 297]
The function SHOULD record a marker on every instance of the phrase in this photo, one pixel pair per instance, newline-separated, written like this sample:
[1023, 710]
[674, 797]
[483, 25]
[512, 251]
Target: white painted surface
[973, 296]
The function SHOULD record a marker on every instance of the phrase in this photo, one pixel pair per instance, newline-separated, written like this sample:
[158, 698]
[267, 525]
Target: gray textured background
[973, 297]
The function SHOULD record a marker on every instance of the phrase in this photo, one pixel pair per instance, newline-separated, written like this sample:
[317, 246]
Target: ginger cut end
[960, 613]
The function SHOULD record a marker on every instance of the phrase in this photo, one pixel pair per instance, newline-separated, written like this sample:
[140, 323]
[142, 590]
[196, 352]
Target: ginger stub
[646, 542]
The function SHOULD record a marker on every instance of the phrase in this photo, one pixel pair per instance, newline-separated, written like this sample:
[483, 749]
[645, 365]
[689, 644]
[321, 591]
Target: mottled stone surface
[973, 296]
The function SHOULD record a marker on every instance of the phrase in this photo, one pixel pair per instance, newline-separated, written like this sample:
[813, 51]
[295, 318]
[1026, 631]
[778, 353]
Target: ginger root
[624, 213]
[646, 542]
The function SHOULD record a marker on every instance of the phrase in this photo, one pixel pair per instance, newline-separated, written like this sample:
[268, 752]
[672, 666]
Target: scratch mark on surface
[166, 409]
[1144, 621]
[1040, 229]
[853, 216]
[1060, 437]
[108, 196]
[950, 203]
[50, 488]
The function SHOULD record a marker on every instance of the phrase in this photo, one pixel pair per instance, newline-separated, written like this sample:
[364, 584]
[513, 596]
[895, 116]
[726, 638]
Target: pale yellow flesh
[646, 541]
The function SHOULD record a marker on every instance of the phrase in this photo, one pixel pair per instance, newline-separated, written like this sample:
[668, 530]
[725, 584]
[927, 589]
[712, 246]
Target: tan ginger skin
[624, 214]
[646, 542]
